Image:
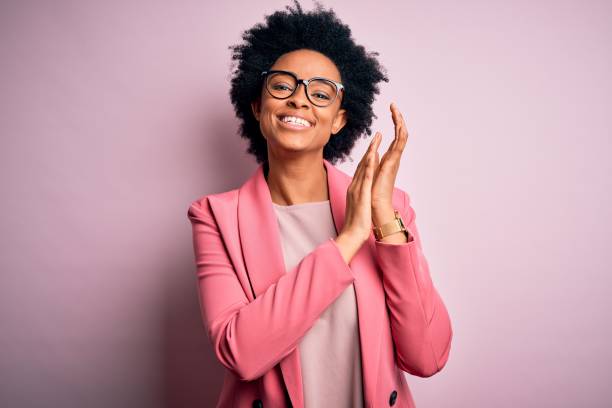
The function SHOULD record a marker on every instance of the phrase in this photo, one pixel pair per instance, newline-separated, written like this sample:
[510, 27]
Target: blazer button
[257, 403]
[392, 398]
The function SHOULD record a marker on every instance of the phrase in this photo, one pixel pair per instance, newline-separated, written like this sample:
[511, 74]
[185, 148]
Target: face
[285, 139]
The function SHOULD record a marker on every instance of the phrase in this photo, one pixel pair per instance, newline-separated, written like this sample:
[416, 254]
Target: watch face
[398, 217]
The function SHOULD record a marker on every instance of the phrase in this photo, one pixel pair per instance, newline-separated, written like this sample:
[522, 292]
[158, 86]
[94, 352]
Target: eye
[320, 95]
[280, 87]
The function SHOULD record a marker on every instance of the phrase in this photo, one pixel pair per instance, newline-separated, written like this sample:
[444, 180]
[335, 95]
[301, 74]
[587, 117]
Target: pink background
[116, 115]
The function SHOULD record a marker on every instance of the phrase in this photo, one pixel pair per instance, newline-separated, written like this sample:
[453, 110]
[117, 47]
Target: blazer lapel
[259, 234]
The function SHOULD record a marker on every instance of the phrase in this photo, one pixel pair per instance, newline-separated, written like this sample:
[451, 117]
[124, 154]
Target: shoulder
[201, 206]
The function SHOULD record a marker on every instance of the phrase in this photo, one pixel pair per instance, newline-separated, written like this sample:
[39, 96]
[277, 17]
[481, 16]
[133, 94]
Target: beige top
[329, 352]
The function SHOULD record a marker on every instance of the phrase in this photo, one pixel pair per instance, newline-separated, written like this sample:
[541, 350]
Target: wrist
[353, 237]
[382, 215]
[389, 231]
[348, 244]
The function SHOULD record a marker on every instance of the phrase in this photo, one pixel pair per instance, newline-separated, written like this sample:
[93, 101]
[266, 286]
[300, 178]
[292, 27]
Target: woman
[305, 301]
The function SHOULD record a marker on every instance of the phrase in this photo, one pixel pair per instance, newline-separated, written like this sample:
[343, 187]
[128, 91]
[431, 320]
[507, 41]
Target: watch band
[391, 227]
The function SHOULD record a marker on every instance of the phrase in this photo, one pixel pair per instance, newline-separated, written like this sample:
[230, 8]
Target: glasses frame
[298, 81]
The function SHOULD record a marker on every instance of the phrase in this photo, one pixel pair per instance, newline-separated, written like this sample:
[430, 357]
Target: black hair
[319, 30]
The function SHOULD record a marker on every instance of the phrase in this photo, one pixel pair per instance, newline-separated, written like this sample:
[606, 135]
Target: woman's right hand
[358, 216]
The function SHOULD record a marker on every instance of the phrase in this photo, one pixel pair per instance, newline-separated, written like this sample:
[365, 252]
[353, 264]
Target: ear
[255, 105]
[339, 121]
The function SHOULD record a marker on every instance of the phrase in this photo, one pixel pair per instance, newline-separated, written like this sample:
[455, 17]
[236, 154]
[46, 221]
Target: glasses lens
[281, 85]
[321, 92]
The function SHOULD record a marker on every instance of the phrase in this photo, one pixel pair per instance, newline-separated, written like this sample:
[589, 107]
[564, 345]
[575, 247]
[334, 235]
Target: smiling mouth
[293, 124]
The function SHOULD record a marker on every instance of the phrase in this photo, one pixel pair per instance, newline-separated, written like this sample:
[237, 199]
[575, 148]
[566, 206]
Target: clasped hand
[369, 196]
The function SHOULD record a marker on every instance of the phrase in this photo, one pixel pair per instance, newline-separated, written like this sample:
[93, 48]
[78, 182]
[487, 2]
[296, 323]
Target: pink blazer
[255, 312]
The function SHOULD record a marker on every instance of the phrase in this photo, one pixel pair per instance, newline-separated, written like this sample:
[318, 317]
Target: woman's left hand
[386, 169]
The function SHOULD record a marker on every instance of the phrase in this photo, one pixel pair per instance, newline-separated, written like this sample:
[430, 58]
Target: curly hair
[319, 30]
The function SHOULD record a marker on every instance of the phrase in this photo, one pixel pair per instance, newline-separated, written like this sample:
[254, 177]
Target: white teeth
[296, 120]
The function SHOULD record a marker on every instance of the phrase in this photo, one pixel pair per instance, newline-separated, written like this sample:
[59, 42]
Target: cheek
[268, 124]
[325, 122]
[269, 120]
[268, 108]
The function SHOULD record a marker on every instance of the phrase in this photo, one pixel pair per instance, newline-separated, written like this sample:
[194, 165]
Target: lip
[291, 125]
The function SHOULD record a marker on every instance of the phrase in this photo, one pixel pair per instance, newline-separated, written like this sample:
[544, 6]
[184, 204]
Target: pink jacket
[255, 312]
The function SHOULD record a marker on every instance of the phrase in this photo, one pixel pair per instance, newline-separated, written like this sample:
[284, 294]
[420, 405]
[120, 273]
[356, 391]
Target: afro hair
[319, 30]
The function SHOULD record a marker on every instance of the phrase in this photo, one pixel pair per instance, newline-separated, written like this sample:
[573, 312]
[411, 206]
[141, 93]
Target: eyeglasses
[319, 91]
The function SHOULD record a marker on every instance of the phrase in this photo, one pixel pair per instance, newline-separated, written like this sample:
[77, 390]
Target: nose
[299, 97]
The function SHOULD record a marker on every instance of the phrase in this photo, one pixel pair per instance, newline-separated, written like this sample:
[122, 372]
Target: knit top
[330, 354]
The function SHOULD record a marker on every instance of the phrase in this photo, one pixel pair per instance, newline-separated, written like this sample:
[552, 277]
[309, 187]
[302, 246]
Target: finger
[364, 158]
[376, 163]
[358, 178]
[358, 172]
[394, 113]
[401, 133]
[366, 193]
[367, 176]
[392, 146]
[397, 122]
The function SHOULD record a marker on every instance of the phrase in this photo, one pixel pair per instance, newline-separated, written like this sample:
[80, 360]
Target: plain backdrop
[115, 116]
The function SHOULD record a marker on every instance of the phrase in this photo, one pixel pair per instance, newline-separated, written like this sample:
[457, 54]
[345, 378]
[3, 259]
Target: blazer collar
[258, 225]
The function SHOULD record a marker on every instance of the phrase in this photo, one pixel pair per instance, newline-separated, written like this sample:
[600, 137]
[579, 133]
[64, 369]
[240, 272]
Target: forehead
[307, 64]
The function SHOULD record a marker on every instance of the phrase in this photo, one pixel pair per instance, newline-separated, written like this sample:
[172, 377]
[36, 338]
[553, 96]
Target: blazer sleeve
[251, 337]
[420, 323]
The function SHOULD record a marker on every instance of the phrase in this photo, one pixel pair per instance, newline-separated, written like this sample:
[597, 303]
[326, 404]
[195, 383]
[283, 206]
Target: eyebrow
[297, 76]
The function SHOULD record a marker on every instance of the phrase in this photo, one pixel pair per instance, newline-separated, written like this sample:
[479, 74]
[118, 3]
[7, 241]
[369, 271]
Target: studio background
[116, 116]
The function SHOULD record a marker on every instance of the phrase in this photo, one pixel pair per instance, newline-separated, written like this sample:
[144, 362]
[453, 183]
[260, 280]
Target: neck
[296, 182]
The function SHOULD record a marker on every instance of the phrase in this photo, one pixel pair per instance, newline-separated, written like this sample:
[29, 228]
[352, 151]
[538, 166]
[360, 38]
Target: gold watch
[397, 225]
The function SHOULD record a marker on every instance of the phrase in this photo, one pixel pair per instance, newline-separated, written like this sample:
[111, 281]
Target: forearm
[420, 323]
[251, 338]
